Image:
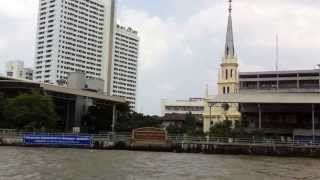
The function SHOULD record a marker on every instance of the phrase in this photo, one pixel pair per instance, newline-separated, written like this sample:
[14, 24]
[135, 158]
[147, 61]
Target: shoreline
[194, 148]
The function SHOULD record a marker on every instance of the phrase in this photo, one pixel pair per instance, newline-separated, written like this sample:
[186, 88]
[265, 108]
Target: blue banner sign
[68, 140]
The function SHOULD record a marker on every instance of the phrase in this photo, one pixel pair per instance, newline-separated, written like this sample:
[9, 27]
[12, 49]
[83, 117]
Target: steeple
[229, 49]
[228, 76]
[228, 84]
[206, 94]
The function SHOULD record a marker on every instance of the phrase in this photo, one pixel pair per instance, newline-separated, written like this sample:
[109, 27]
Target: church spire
[229, 49]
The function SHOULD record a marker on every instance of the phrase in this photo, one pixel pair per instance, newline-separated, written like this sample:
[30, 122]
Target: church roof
[229, 47]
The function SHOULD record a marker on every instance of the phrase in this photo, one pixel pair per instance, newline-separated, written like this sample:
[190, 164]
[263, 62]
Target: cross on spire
[230, 6]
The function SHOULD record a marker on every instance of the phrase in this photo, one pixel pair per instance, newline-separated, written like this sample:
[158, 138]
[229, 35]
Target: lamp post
[260, 116]
[210, 106]
[313, 126]
[114, 111]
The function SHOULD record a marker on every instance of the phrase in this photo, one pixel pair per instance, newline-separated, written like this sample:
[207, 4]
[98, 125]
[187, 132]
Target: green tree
[2, 120]
[225, 129]
[128, 120]
[189, 124]
[150, 121]
[124, 117]
[98, 119]
[30, 112]
[221, 129]
[174, 129]
[188, 127]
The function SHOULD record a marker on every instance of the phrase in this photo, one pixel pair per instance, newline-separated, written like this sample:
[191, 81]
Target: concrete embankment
[18, 141]
[217, 148]
[250, 149]
[226, 148]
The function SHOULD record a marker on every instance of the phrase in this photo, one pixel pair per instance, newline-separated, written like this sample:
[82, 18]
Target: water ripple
[68, 164]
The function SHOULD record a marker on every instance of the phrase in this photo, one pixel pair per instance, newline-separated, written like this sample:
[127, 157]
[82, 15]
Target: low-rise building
[174, 112]
[280, 81]
[192, 105]
[280, 99]
[276, 112]
[275, 101]
[72, 102]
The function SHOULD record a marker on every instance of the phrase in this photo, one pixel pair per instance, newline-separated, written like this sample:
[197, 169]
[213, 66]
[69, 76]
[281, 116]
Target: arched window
[226, 74]
[236, 74]
[231, 73]
[228, 89]
[224, 90]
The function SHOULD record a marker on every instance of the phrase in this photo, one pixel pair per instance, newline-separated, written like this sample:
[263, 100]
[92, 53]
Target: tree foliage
[128, 120]
[227, 129]
[221, 129]
[188, 127]
[98, 119]
[189, 124]
[2, 104]
[175, 129]
[32, 112]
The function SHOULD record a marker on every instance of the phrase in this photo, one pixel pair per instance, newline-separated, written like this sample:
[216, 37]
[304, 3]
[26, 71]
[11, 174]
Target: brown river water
[80, 164]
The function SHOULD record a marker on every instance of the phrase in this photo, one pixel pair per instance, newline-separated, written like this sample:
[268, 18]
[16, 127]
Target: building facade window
[226, 74]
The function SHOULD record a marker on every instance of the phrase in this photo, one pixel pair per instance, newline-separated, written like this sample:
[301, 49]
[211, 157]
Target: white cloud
[18, 8]
[17, 32]
[167, 87]
[179, 56]
[155, 36]
[196, 44]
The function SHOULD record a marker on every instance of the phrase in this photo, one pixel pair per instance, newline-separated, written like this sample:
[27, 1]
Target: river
[80, 164]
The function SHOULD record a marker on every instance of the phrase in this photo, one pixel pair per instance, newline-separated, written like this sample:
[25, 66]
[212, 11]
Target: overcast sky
[182, 41]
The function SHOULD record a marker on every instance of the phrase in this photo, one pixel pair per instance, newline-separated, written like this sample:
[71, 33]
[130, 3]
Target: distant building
[125, 64]
[193, 105]
[172, 119]
[75, 36]
[174, 112]
[16, 69]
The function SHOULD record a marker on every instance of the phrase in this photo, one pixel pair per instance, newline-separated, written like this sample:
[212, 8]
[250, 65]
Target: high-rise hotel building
[125, 64]
[75, 35]
[82, 36]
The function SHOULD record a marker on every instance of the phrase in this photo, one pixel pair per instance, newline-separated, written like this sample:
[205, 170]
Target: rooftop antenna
[277, 53]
